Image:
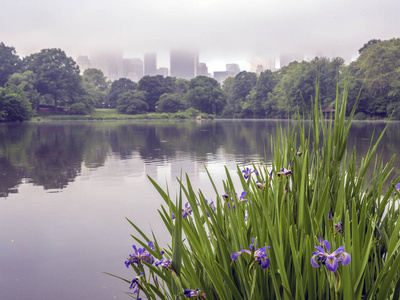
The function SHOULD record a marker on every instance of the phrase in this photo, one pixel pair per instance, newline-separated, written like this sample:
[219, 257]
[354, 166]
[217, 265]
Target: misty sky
[224, 31]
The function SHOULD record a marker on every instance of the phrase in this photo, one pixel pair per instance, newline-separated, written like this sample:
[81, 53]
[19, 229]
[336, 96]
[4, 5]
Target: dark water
[66, 188]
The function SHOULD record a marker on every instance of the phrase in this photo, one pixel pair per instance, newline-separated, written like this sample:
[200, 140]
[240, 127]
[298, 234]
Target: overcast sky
[224, 31]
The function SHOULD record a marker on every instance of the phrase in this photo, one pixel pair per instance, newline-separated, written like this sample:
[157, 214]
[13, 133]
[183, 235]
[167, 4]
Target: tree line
[50, 79]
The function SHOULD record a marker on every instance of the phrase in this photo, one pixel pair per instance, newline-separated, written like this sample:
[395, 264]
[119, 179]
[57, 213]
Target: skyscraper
[202, 69]
[150, 64]
[183, 63]
[133, 69]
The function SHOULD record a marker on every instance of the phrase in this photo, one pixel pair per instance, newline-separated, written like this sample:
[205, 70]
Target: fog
[223, 31]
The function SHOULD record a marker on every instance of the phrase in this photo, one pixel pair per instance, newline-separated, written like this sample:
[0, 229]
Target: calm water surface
[66, 188]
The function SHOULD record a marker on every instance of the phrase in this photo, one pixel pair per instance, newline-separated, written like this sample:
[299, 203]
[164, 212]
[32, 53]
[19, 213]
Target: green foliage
[57, 75]
[27, 82]
[377, 71]
[287, 214]
[14, 105]
[170, 103]
[10, 63]
[78, 109]
[119, 87]
[206, 95]
[238, 90]
[155, 86]
[96, 87]
[132, 102]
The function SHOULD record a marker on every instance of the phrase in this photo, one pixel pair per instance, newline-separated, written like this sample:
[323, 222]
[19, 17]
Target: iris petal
[346, 258]
[313, 262]
[331, 263]
[234, 256]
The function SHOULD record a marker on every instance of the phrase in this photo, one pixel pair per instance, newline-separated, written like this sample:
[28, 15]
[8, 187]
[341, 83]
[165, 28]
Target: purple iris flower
[330, 260]
[185, 211]
[286, 172]
[298, 152]
[135, 284]
[247, 172]
[212, 207]
[164, 263]
[260, 185]
[140, 254]
[260, 255]
[239, 199]
[192, 293]
[398, 187]
[338, 227]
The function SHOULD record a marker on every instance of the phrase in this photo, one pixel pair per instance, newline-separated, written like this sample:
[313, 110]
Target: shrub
[78, 109]
[170, 103]
[133, 103]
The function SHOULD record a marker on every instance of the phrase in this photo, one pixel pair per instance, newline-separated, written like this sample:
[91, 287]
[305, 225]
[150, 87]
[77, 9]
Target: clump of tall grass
[310, 226]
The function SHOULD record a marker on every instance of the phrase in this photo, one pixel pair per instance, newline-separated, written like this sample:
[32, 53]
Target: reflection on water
[65, 188]
[51, 154]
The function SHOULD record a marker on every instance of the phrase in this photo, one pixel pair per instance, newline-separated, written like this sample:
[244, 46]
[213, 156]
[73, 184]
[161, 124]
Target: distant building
[259, 69]
[202, 69]
[183, 64]
[133, 69]
[266, 62]
[110, 62]
[287, 58]
[83, 62]
[162, 71]
[150, 64]
[220, 76]
[232, 69]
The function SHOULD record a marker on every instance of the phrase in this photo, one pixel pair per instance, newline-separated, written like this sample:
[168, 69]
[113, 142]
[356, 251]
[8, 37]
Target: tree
[170, 103]
[366, 45]
[155, 86]
[119, 87]
[132, 102]
[97, 78]
[27, 81]
[242, 85]
[9, 63]
[14, 105]
[206, 95]
[96, 86]
[377, 70]
[258, 96]
[57, 75]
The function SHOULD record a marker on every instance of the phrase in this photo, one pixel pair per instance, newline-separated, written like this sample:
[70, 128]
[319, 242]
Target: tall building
[83, 62]
[150, 64]
[183, 64]
[220, 76]
[133, 69]
[202, 69]
[162, 71]
[232, 69]
[110, 62]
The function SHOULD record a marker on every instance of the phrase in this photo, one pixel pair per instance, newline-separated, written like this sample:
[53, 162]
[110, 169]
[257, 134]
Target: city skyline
[223, 31]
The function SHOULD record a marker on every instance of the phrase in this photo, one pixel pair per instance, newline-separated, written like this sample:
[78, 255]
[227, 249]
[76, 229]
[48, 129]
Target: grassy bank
[111, 114]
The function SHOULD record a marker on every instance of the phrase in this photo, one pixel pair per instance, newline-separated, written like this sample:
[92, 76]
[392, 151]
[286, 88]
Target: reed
[261, 244]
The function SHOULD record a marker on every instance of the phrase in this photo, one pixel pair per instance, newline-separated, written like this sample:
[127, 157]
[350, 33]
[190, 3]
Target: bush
[360, 116]
[132, 103]
[14, 106]
[78, 109]
[170, 103]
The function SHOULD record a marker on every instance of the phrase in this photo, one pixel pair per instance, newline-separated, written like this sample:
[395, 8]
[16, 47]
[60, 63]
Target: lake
[66, 188]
